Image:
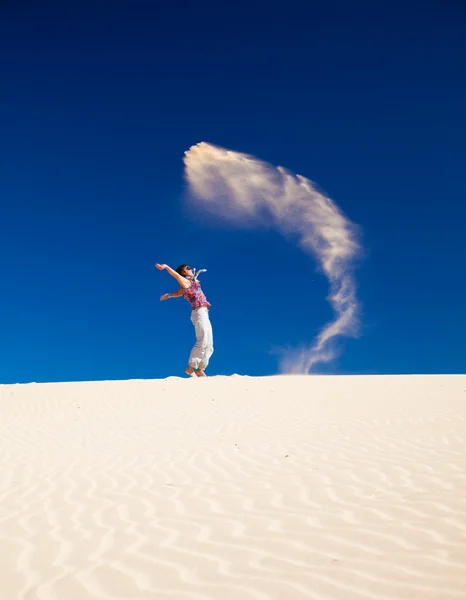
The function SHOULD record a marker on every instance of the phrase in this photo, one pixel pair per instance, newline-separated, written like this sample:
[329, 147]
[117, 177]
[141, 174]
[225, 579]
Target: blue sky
[98, 106]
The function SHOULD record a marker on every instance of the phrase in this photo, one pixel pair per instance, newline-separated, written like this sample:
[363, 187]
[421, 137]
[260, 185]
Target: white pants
[204, 346]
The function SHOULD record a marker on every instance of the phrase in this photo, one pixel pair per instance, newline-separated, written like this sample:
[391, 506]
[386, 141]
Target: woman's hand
[165, 297]
[161, 267]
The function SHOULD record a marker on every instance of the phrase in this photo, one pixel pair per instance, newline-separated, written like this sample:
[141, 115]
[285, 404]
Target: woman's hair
[180, 269]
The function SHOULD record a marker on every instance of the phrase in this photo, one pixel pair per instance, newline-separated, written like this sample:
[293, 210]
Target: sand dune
[234, 488]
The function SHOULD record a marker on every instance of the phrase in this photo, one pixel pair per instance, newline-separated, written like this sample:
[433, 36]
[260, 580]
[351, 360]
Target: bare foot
[190, 371]
[200, 373]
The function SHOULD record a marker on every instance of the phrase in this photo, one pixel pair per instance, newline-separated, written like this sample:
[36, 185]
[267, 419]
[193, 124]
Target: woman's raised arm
[185, 283]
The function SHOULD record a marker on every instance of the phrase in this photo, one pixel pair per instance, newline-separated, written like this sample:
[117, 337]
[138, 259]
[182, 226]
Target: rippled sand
[234, 488]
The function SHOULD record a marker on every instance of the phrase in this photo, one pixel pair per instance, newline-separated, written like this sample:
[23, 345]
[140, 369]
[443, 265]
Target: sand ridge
[288, 487]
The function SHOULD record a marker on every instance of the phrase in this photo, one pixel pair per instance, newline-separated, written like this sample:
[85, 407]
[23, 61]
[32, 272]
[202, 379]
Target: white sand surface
[234, 488]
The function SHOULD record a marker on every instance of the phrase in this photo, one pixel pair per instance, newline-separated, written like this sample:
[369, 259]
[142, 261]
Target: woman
[190, 288]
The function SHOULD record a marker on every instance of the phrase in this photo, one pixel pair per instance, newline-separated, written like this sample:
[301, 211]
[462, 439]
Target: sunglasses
[187, 269]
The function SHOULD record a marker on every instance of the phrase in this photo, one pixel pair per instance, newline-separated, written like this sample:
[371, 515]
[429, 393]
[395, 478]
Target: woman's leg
[201, 322]
[209, 348]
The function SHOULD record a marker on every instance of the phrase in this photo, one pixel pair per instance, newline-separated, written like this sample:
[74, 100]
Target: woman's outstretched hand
[165, 297]
[161, 267]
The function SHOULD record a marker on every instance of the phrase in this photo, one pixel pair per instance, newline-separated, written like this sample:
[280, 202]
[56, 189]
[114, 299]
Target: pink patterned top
[194, 295]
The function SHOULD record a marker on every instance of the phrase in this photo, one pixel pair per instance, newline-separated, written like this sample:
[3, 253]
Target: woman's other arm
[176, 294]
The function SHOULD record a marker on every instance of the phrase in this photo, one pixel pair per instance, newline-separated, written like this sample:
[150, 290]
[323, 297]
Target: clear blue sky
[99, 100]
